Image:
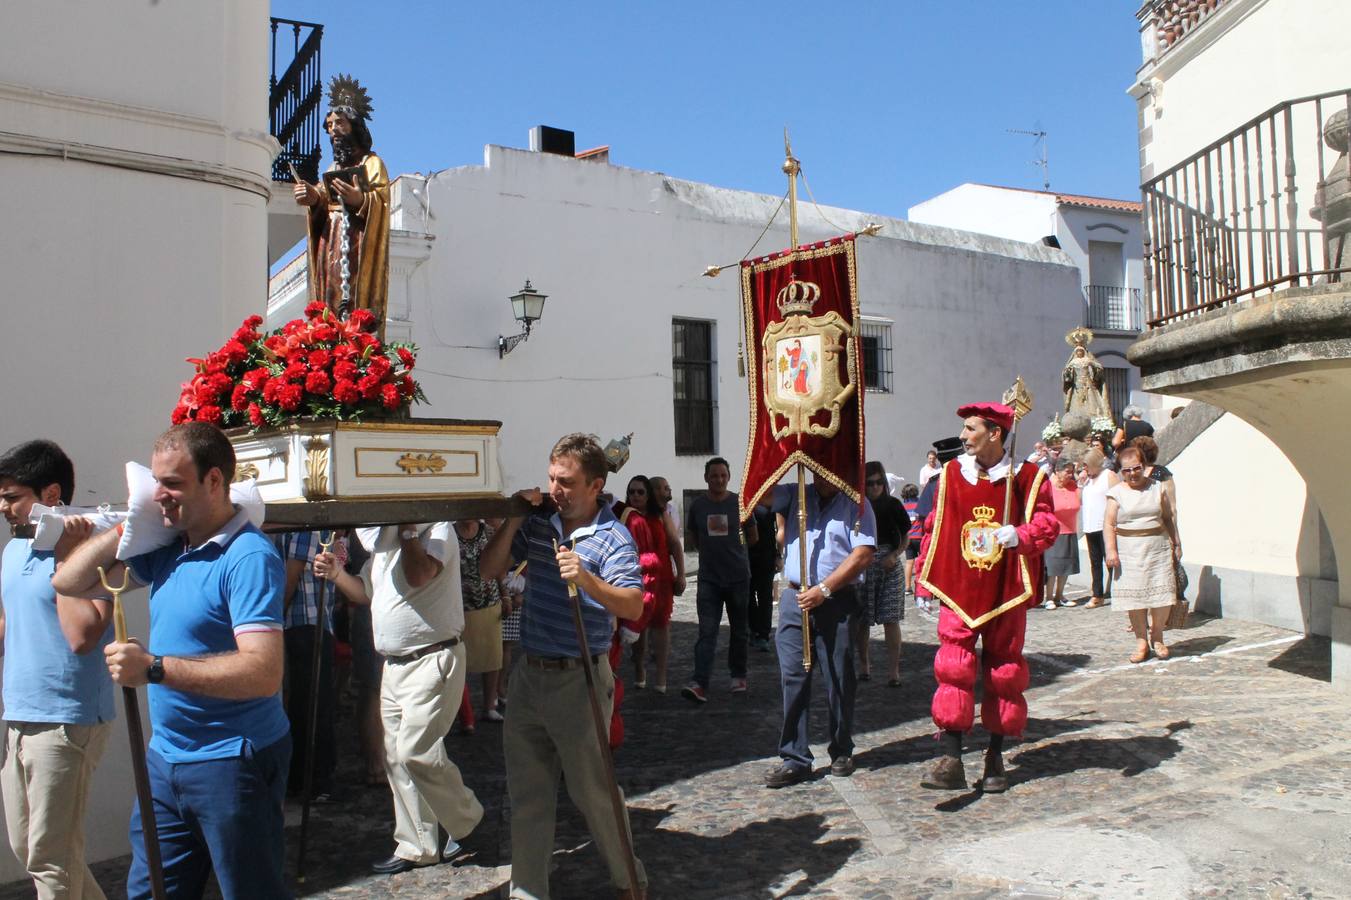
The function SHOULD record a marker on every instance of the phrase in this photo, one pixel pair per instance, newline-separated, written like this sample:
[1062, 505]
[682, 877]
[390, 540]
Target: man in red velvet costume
[986, 574]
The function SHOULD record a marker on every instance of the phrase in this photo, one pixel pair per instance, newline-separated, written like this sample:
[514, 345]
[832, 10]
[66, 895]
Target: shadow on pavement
[1198, 646]
[1131, 756]
[1310, 656]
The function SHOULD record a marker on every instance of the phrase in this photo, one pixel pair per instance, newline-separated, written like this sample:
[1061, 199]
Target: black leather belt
[425, 651]
[558, 663]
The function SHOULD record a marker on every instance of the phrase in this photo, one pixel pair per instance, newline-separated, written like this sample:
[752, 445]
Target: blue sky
[888, 103]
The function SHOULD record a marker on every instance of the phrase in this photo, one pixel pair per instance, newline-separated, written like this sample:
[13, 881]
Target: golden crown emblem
[983, 512]
[797, 298]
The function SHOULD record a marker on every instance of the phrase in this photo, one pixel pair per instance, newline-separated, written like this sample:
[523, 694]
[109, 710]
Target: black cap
[948, 448]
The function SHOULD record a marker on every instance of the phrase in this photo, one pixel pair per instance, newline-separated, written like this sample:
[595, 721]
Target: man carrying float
[981, 556]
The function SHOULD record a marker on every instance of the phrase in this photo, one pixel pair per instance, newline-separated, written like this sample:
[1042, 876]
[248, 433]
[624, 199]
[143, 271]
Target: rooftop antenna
[1041, 161]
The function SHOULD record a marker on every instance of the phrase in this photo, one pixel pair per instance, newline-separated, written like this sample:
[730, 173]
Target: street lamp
[527, 306]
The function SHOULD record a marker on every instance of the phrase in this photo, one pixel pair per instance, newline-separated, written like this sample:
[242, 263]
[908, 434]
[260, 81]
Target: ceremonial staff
[132, 706]
[1019, 399]
[312, 734]
[602, 734]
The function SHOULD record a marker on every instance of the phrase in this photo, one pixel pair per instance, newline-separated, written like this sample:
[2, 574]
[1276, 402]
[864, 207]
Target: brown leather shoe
[948, 774]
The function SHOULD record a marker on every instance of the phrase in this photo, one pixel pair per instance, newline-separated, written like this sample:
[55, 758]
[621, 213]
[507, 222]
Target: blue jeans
[709, 601]
[833, 656]
[225, 813]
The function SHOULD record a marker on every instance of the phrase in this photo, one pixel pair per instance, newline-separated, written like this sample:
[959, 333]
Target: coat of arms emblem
[802, 356]
[979, 547]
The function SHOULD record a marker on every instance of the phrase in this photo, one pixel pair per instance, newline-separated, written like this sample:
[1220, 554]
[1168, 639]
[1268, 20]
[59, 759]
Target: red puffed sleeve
[1037, 535]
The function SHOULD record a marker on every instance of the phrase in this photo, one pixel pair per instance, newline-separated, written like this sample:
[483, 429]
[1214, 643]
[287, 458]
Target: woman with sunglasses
[883, 599]
[1143, 547]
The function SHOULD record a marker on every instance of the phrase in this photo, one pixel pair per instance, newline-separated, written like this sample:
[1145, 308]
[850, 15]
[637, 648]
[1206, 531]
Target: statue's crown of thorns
[347, 97]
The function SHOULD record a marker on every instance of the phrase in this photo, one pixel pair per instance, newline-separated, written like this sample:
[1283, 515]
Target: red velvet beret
[997, 413]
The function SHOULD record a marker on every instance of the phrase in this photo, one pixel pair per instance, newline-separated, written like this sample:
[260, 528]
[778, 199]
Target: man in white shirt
[418, 614]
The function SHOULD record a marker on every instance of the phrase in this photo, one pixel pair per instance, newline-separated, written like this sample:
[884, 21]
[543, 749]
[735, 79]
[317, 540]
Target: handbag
[1177, 613]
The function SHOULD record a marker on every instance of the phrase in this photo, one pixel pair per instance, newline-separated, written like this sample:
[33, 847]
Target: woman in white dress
[1142, 547]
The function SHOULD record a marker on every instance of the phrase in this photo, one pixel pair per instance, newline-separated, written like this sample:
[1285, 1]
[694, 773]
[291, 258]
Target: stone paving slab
[1220, 772]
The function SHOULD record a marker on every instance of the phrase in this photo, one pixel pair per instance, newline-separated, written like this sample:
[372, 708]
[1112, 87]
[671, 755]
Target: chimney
[544, 139]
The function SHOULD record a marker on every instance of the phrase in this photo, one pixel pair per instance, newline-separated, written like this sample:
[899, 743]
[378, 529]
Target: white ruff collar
[972, 471]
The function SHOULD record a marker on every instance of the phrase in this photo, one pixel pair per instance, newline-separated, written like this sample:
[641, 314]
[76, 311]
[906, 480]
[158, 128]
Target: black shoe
[785, 774]
[394, 865]
[842, 766]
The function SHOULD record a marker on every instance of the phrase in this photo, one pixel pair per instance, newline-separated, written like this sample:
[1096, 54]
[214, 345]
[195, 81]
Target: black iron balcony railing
[1261, 209]
[1112, 308]
[295, 100]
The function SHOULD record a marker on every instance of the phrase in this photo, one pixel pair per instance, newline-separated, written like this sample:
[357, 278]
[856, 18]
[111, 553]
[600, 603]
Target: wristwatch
[408, 534]
[825, 590]
[155, 674]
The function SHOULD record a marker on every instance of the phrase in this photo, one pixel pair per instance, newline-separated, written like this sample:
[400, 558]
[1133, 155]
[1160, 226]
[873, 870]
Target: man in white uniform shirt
[418, 614]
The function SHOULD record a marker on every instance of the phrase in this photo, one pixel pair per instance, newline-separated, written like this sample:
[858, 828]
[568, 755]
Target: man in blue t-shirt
[58, 697]
[549, 730]
[220, 743]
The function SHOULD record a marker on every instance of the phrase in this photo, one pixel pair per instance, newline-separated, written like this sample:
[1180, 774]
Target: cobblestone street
[1221, 772]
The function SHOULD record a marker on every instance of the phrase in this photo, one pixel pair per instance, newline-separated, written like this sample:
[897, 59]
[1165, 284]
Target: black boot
[995, 780]
[948, 773]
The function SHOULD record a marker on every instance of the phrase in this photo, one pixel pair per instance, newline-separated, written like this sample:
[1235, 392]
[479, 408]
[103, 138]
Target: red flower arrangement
[319, 366]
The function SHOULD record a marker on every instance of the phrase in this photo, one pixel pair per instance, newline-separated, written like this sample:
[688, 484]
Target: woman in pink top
[1062, 560]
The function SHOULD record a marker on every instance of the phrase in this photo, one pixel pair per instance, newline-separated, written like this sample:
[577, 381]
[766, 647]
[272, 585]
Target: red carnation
[345, 391]
[318, 383]
[239, 398]
[406, 357]
[202, 392]
[346, 351]
[362, 319]
[220, 382]
[407, 386]
[209, 413]
[345, 370]
[323, 333]
[255, 414]
[314, 309]
[272, 388]
[235, 351]
[256, 378]
[295, 371]
[289, 397]
[389, 396]
[379, 366]
[252, 322]
[369, 386]
[319, 359]
[179, 415]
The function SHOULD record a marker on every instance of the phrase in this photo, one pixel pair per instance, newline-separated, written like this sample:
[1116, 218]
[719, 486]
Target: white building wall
[987, 209]
[136, 163]
[620, 252]
[1248, 56]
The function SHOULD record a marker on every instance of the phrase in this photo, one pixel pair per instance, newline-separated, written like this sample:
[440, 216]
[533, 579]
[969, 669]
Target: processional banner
[800, 310]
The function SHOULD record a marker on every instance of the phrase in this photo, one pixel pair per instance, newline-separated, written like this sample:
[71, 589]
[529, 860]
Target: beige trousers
[46, 776]
[549, 730]
[418, 701]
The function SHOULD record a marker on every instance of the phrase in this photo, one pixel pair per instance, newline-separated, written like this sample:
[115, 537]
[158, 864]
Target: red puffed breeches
[1004, 671]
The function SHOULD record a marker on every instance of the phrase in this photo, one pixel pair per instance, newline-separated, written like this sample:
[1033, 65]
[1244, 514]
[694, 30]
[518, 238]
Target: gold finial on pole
[791, 167]
[1019, 399]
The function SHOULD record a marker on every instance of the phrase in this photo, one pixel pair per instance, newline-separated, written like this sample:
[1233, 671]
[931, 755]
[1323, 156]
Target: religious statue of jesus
[349, 211]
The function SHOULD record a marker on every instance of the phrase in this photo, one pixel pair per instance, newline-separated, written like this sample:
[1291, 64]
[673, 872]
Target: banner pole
[802, 547]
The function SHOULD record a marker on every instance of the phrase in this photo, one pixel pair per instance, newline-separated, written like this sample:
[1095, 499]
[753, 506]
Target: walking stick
[312, 734]
[602, 735]
[802, 552]
[131, 705]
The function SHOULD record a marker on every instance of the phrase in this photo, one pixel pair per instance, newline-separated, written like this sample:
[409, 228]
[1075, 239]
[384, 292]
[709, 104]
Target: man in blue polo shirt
[549, 727]
[220, 745]
[842, 537]
[58, 698]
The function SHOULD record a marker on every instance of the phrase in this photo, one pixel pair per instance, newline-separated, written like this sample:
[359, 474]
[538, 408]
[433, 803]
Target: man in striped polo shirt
[548, 726]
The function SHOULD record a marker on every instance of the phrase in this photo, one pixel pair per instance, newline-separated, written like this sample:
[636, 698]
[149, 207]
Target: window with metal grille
[876, 334]
[692, 386]
[1118, 390]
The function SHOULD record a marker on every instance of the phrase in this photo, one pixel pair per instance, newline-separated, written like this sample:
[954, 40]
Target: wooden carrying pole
[791, 168]
[131, 705]
[603, 737]
[312, 732]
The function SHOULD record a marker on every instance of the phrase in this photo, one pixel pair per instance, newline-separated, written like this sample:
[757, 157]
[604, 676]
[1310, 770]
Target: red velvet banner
[805, 368]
